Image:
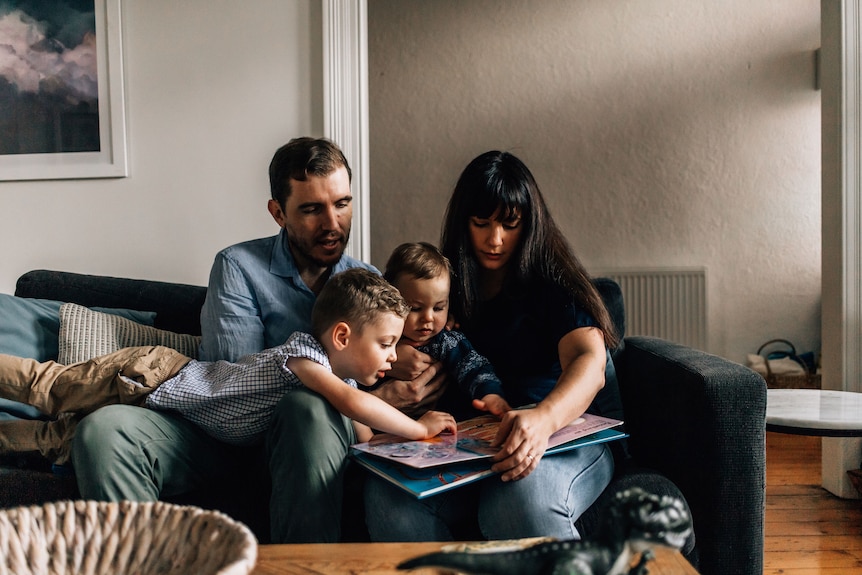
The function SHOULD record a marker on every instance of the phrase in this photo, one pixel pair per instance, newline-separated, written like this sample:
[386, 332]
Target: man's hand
[411, 362]
[415, 396]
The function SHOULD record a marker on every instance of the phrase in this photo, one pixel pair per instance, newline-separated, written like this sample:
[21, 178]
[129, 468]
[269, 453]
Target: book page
[429, 481]
[473, 441]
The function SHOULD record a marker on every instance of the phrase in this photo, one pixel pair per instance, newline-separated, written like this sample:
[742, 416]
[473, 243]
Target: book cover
[473, 441]
[428, 481]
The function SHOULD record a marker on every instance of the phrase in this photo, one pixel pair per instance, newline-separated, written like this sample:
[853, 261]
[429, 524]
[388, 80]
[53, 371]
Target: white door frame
[345, 101]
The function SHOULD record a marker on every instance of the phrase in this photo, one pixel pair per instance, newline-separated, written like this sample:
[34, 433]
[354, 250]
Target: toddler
[422, 275]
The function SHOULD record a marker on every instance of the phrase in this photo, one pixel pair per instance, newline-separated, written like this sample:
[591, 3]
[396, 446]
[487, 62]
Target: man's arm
[231, 326]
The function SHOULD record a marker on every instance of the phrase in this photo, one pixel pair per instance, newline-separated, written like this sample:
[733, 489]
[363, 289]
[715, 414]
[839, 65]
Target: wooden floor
[808, 530]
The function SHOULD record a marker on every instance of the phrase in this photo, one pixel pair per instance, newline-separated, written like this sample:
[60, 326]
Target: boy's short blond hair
[420, 260]
[356, 296]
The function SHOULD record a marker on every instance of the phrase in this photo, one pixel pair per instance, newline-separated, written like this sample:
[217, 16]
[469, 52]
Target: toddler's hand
[492, 403]
[436, 422]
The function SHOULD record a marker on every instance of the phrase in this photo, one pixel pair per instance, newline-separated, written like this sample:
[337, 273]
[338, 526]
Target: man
[259, 293]
[279, 277]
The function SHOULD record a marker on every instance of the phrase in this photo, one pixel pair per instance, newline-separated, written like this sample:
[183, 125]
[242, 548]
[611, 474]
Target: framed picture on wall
[61, 90]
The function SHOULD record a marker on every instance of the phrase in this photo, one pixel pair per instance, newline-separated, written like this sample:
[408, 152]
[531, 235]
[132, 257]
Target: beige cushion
[85, 334]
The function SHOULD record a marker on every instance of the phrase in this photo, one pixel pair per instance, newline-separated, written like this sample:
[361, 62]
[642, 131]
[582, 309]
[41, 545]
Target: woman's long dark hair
[498, 180]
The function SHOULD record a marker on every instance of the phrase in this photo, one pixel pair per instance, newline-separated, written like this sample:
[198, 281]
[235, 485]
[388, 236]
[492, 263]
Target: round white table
[814, 412]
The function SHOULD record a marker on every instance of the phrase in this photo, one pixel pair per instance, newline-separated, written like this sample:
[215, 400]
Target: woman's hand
[524, 433]
[523, 439]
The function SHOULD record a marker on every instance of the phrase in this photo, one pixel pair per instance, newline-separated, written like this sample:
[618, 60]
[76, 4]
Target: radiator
[665, 303]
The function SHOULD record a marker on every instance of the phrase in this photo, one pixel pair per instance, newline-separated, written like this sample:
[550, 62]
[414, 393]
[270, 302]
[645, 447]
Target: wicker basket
[805, 380]
[89, 537]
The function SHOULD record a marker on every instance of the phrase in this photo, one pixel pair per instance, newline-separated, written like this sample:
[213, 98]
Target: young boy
[356, 322]
[422, 275]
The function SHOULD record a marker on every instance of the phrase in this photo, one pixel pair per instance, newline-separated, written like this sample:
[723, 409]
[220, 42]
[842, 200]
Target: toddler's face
[429, 306]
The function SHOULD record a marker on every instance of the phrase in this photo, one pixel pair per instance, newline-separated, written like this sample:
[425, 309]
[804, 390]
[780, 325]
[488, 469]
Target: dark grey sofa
[696, 424]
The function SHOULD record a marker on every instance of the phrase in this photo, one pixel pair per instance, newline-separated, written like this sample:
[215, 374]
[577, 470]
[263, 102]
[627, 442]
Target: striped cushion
[85, 334]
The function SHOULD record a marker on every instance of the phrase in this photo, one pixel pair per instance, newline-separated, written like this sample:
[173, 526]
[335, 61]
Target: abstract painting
[61, 104]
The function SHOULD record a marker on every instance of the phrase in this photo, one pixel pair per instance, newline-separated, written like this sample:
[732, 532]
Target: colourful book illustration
[428, 481]
[473, 441]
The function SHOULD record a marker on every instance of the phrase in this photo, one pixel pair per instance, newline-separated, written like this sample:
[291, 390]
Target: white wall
[213, 87]
[663, 133]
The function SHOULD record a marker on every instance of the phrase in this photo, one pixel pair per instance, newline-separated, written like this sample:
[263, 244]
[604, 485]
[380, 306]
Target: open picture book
[431, 466]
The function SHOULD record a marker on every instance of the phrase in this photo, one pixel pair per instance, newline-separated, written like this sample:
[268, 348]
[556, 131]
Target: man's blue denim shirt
[256, 298]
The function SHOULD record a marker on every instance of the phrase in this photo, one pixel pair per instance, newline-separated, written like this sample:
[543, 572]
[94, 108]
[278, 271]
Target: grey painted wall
[664, 133]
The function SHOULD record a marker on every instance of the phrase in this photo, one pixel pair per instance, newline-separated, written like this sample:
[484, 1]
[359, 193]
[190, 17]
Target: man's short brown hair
[300, 158]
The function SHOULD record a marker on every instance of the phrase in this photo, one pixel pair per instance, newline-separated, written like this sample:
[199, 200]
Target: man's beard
[305, 249]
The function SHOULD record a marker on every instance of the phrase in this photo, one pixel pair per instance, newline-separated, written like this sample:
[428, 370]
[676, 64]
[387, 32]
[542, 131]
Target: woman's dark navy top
[519, 331]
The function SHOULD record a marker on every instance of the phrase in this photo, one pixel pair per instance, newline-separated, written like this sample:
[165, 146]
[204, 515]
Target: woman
[527, 304]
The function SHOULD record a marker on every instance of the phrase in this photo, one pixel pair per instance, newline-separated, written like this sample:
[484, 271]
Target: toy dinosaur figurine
[635, 522]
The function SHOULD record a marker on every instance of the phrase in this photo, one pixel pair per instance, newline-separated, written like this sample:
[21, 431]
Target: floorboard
[808, 530]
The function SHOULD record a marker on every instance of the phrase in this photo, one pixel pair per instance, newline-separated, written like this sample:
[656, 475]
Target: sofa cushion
[85, 333]
[30, 327]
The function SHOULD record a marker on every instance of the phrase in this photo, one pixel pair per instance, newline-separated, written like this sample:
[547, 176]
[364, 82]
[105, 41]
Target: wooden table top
[381, 559]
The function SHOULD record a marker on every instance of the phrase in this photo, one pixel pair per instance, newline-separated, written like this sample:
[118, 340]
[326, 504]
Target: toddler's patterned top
[473, 372]
[234, 402]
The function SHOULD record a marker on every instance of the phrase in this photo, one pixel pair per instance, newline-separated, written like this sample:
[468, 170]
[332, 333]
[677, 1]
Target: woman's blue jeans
[546, 503]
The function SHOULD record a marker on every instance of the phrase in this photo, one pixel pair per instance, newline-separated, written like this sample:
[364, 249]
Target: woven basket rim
[99, 537]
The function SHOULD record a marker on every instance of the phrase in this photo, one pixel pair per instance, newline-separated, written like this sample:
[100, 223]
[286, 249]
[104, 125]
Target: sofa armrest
[701, 420]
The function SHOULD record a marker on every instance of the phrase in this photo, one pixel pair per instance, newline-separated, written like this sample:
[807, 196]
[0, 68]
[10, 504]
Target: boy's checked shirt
[234, 402]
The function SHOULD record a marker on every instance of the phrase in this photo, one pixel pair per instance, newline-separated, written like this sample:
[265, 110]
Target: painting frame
[110, 161]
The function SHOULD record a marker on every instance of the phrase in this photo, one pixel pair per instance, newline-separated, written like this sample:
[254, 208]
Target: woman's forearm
[583, 359]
